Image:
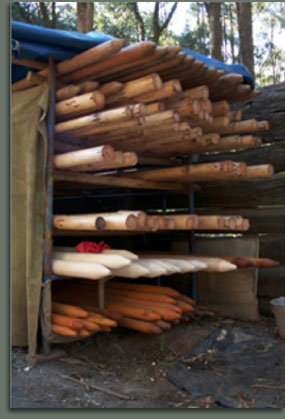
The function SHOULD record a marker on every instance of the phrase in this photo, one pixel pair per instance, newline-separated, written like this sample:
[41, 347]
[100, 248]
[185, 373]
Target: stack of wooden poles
[134, 221]
[118, 108]
[145, 308]
[73, 321]
[121, 263]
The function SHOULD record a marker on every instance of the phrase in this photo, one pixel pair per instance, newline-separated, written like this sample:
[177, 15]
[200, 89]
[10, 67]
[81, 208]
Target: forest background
[250, 33]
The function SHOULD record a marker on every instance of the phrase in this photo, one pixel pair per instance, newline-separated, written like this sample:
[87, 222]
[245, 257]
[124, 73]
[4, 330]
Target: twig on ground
[92, 386]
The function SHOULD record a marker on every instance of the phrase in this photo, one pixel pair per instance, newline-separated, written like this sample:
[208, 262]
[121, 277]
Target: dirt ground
[129, 364]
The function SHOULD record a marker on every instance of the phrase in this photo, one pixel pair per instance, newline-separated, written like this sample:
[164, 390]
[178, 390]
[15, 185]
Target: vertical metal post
[47, 270]
[191, 238]
[164, 208]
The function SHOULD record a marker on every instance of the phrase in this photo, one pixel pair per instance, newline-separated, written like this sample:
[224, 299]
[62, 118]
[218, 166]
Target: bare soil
[128, 363]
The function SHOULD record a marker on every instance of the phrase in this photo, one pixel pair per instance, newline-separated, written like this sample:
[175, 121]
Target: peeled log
[80, 105]
[133, 271]
[79, 222]
[88, 86]
[191, 173]
[94, 120]
[211, 222]
[139, 325]
[111, 88]
[109, 261]
[75, 269]
[240, 127]
[185, 221]
[67, 92]
[141, 217]
[153, 268]
[120, 221]
[169, 88]
[91, 56]
[118, 162]
[153, 289]
[220, 108]
[126, 56]
[259, 171]
[101, 154]
[134, 88]
[121, 252]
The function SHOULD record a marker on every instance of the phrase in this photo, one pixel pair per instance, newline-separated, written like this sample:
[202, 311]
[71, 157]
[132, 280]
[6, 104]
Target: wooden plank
[242, 193]
[113, 181]
[268, 105]
[262, 220]
[273, 154]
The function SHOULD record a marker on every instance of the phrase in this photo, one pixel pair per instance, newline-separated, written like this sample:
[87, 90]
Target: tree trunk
[157, 27]
[45, 16]
[232, 34]
[85, 16]
[138, 16]
[214, 14]
[245, 35]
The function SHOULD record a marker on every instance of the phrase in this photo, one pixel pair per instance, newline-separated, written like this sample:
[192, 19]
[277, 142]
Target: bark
[214, 15]
[245, 35]
[269, 105]
[85, 16]
[242, 193]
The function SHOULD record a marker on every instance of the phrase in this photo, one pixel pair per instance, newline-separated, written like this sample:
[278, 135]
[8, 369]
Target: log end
[100, 223]
[108, 153]
[157, 82]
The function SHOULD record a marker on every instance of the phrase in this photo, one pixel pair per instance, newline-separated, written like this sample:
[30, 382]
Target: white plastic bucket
[278, 308]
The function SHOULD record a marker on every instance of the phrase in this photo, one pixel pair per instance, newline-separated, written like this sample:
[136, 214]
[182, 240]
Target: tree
[47, 14]
[85, 15]
[158, 26]
[214, 15]
[244, 16]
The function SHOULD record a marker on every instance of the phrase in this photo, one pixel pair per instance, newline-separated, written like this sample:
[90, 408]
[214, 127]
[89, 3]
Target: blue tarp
[38, 43]
[227, 68]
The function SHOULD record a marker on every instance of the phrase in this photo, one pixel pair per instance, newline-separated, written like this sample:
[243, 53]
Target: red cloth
[91, 247]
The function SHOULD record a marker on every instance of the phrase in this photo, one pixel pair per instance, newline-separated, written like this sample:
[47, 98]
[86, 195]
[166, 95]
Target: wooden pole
[91, 56]
[259, 171]
[185, 221]
[125, 56]
[67, 92]
[88, 86]
[95, 120]
[80, 105]
[111, 88]
[109, 261]
[145, 85]
[79, 222]
[120, 221]
[70, 268]
[117, 162]
[170, 88]
[101, 154]
[113, 181]
[197, 172]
